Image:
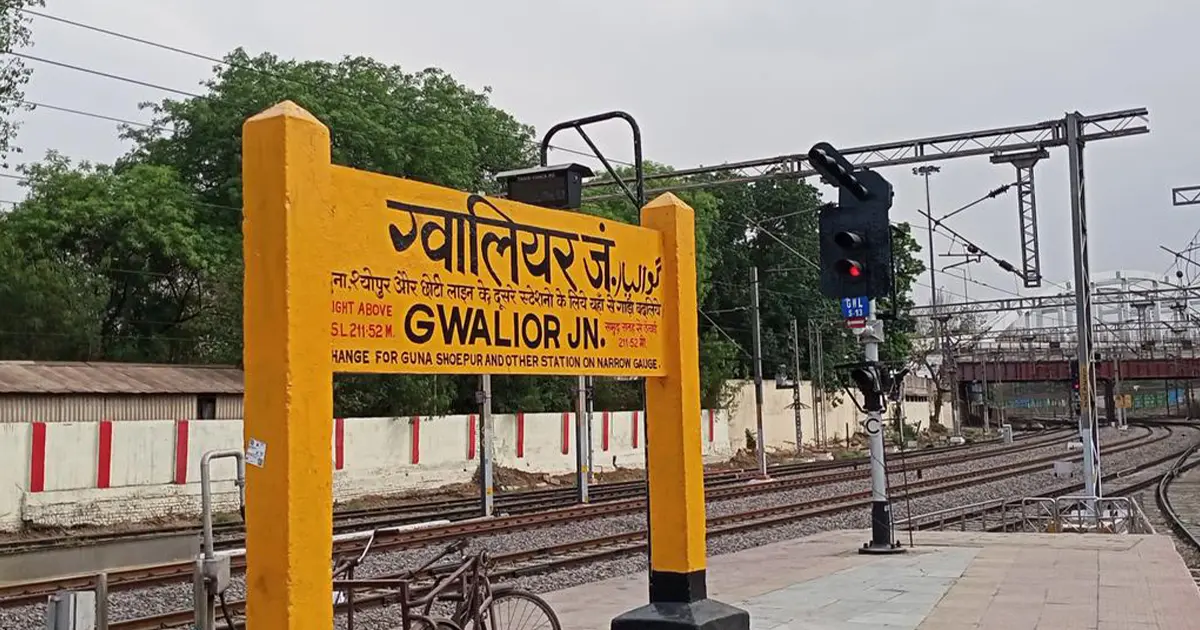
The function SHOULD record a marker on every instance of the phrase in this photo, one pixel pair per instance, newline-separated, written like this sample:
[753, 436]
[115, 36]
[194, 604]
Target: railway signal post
[856, 267]
[871, 383]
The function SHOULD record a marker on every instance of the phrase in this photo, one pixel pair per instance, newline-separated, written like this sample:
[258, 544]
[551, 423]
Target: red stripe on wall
[566, 433]
[416, 439]
[520, 434]
[181, 451]
[104, 455]
[339, 443]
[37, 459]
[637, 426]
[712, 424]
[604, 429]
[472, 435]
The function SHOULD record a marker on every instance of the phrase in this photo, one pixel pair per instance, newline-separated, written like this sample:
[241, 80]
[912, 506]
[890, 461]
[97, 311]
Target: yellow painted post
[289, 393]
[675, 470]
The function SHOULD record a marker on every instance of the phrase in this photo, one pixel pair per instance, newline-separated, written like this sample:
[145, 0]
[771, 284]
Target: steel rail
[620, 544]
[145, 576]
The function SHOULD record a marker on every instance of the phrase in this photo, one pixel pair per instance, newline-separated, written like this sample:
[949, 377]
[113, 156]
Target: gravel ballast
[130, 604]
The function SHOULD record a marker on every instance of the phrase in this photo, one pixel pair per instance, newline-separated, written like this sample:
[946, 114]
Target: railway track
[1186, 530]
[393, 540]
[1008, 515]
[569, 554]
[230, 535]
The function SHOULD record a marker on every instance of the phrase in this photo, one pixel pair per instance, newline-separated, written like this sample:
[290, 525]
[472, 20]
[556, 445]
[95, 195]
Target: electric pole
[796, 385]
[759, 446]
[486, 450]
[941, 332]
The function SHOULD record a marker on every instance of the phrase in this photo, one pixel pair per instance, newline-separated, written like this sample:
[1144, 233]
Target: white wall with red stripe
[99, 473]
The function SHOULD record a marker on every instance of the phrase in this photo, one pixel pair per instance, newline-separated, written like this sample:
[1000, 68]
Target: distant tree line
[140, 260]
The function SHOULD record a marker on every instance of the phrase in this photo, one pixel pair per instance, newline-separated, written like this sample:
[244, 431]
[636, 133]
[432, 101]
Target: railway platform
[946, 581]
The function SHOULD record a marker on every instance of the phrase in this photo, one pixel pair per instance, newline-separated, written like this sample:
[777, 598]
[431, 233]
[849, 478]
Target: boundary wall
[779, 417]
[65, 474]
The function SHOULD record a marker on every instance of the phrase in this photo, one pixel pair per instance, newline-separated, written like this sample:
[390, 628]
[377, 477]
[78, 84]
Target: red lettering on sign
[356, 330]
[374, 309]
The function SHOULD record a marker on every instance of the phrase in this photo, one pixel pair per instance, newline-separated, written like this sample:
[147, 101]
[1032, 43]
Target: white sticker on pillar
[256, 452]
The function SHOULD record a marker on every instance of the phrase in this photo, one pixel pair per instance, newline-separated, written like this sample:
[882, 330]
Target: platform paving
[948, 581]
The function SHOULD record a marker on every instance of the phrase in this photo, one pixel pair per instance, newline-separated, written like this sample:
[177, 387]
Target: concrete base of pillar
[706, 614]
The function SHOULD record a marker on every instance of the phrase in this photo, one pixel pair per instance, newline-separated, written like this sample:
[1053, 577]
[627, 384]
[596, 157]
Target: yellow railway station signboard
[437, 280]
[349, 271]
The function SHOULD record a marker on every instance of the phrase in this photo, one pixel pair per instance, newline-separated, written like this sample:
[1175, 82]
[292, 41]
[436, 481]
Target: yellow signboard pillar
[675, 473]
[288, 371]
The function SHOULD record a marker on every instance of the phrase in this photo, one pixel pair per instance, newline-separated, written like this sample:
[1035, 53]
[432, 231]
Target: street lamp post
[942, 334]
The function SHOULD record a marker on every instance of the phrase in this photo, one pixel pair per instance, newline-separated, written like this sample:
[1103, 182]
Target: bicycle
[463, 586]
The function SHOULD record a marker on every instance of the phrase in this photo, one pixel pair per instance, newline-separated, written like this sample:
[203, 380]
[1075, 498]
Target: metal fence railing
[1077, 514]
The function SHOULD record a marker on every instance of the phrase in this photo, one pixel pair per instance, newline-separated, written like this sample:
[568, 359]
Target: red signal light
[850, 268]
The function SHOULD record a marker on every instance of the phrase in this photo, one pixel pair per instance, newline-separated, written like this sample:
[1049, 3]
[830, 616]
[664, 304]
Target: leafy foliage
[131, 234]
[49, 307]
[141, 260]
[14, 34]
[422, 125]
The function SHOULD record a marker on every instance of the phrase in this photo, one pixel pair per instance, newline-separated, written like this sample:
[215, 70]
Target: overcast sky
[712, 81]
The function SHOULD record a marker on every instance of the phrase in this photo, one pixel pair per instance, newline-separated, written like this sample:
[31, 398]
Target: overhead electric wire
[751, 224]
[727, 335]
[1004, 264]
[992, 194]
[217, 60]
[82, 112]
[101, 73]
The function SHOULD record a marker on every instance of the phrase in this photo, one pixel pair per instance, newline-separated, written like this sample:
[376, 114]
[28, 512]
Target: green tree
[421, 125]
[14, 34]
[49, 307]
[772, 226]
[625, 394]
[136, 234]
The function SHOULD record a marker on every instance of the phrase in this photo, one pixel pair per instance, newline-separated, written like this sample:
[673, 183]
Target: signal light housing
[849, 240]
[856, 241]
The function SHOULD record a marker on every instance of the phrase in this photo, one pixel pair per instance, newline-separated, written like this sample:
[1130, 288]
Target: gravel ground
[125, 605]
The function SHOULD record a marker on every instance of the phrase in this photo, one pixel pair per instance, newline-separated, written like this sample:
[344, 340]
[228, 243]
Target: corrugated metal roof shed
[51, 377]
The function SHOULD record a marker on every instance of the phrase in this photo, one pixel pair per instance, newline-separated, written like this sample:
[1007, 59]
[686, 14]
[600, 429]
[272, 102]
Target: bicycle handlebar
[455, 547]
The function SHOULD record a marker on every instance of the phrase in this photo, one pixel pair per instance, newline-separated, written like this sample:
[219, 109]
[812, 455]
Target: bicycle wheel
[514, 609]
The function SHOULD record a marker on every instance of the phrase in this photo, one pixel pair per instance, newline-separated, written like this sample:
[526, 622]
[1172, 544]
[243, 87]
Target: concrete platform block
[706, 614]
